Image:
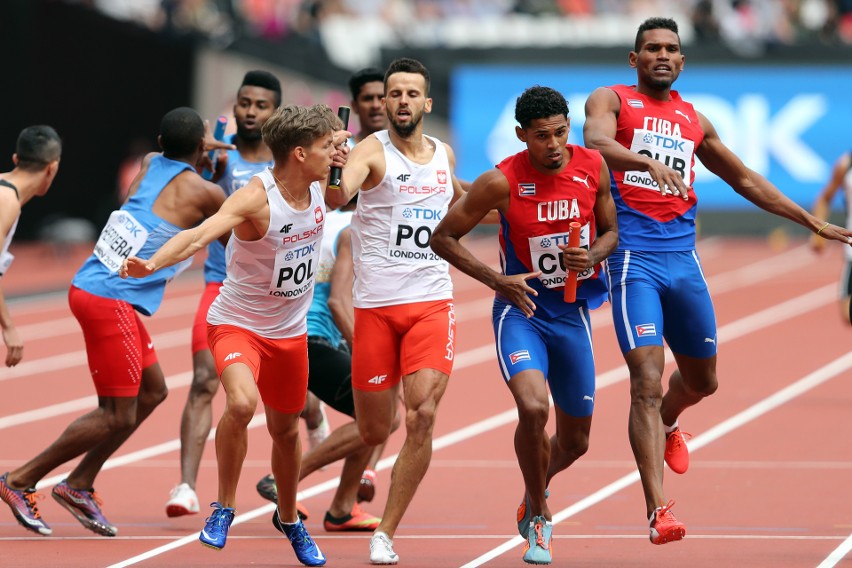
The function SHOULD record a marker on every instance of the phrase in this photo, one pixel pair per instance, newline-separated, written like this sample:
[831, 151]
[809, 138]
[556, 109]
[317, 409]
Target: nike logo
[205, 535]
[319, 555]
[150, 345]
[240, 173]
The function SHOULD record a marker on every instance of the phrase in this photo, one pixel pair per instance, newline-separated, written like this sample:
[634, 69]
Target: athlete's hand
[668, 180]
[342, 148]
[515, 289]
[14, 346]
[575, 258]
[136, 267]
[836, 233]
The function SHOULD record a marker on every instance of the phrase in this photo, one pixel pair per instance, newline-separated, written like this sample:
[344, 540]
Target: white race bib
[547, 257]
[410, 230]
[121, 237]
[294, 270]
[670, 149]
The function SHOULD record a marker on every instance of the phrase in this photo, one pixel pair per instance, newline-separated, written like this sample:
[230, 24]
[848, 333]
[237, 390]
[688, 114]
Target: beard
[248, 134]
[405, 130]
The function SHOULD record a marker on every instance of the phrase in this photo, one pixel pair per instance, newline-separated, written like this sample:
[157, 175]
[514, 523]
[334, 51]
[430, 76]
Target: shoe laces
[539, 535]
[31, 498]
[665, 511]
[220, 513]
[96, 498]
[381, 540]
[300, 535]
[678, 438]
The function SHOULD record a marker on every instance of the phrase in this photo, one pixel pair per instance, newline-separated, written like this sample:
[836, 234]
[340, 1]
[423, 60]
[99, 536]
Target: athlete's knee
[575, 445]
[120, 420]
[533, 412]
[241, 408]
[205, 383]
[420, 420]
[373, 434]
[646, 387]
[396, 422]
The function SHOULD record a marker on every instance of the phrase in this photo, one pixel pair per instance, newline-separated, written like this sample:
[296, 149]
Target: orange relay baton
[571, 275]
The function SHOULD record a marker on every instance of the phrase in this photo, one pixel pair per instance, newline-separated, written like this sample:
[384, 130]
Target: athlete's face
[369, 108]
[406, 102]
[318, 157]
[545, 139]
[253, 108]
[659, 60]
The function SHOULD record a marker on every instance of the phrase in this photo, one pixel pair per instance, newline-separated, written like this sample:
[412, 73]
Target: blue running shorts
[658, 295]
[561, 348]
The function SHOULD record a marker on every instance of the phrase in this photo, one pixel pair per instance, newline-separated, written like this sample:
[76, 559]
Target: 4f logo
[403, 177]
[286, 228]
[378, 379]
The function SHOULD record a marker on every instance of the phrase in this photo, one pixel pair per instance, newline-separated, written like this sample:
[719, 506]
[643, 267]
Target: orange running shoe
[664, 527]
[357, 520]
[677, 454]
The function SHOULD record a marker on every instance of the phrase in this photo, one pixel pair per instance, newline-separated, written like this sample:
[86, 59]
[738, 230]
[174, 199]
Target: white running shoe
[321, 432]
[381, 550]
[182, 501]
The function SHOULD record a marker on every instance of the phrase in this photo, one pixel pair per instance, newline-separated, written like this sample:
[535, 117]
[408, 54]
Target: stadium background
[772, 75]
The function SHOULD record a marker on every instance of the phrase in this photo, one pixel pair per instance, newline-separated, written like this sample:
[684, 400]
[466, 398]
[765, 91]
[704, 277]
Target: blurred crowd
[744, 25]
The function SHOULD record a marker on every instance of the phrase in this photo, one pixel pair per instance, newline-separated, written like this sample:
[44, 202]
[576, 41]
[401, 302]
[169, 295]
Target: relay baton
[218, 134]
[571, 275]
[336, 173]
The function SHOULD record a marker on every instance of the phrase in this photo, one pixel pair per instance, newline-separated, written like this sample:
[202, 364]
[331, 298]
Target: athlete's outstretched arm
[489, 191]
[241, 207]
[364, 169]
[724, 163]
[602, 108]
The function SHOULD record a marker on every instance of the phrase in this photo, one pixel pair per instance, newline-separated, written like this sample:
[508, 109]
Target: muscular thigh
[330, 374]
[688, 309]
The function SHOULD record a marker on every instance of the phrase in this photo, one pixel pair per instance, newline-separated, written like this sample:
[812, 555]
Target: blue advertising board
[788, 123]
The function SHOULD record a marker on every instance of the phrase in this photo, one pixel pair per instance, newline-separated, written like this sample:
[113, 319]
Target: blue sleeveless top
[237, 174]
[134, 230]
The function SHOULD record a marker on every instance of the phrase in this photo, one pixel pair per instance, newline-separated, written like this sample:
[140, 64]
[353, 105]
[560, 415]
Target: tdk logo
[423, 214]
[128, 225]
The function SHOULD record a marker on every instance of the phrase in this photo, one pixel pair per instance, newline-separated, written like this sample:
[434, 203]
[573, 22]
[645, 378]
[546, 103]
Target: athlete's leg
[286, 459]
[152, 392]
[231, 432]
[423, 390]
[693, 380]
[569, 443]
[197, 418]
[532, 446]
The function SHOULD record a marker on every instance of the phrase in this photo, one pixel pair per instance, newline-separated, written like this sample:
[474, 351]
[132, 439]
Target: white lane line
[837, 554]
[725, 427]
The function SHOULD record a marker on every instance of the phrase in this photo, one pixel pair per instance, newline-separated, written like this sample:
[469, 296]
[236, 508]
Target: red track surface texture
[769, 484]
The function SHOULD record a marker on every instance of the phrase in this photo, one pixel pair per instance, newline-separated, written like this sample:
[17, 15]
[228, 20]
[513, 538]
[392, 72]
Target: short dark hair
[539, 102]
[264, 80]
[181, 130]
[362, 77]
[655, 24]
[407, 65]
[37, 146]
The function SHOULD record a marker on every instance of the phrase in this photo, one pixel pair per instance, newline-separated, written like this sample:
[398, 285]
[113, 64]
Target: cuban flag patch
[526, 189]
[635, 103]
[518, 356]
[644, 329]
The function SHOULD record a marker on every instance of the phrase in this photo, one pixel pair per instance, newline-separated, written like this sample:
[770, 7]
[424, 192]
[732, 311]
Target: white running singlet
[391, 228]
[270, 281]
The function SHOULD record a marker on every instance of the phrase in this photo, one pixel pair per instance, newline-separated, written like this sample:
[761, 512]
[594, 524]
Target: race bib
[410, 230]
[121, 237]
[294, 271]
[5, 262]
[670, 149]
[547, 257]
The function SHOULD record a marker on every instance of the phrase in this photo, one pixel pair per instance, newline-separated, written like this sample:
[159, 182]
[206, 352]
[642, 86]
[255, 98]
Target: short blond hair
[292, 126]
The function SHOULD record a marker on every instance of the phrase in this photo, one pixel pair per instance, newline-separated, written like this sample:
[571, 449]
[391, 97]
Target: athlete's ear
[15, 159]
[521, 134]
[632, 58]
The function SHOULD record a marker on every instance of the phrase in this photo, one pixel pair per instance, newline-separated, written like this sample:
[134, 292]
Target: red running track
[768, 484]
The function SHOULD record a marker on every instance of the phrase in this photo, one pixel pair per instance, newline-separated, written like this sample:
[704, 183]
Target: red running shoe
[677, 453]
[357, 520]
[664, 527]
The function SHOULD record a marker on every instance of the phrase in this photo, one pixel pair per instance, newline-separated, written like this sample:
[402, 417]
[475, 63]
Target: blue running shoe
[23, 505]
[539, 549]
[525, 515]
[304, 546]
[215, 532]
[85, 505]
